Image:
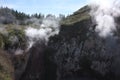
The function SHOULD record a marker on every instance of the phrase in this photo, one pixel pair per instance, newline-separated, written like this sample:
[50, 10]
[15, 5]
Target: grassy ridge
[81, 14]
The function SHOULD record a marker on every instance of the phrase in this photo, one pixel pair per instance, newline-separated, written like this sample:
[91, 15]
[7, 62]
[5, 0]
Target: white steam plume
[104, 12]
[48, 27]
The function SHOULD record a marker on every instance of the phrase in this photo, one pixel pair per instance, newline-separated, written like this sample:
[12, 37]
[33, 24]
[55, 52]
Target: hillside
[81, 54]
[76, 53]
[6, 67]
[81, 14]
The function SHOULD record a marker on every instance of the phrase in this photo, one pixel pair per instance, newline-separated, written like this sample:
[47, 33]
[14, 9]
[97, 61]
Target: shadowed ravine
[39, 67]
[35, 69]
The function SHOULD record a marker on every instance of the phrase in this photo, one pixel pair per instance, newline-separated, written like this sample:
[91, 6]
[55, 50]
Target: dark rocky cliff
[77, 53]
[81, 54]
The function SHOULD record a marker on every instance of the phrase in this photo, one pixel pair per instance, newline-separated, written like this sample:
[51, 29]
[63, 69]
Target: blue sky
[55, 7]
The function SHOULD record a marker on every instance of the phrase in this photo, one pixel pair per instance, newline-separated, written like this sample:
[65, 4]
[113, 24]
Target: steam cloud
[42, 31]
[104, 13]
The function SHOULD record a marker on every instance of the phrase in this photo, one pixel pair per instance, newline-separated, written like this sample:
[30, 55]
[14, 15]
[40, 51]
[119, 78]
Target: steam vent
[82, 46]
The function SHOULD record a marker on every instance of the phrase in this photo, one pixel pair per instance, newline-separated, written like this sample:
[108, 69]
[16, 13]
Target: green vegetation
[14, 37]
[81, 14]
[20, 15]
[10, 16]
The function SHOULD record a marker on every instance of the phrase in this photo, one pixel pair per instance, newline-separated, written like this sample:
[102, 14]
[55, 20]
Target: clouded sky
[55, 7]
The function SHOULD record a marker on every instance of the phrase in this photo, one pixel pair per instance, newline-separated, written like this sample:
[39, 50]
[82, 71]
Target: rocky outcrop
[81, 54]
[77, 53]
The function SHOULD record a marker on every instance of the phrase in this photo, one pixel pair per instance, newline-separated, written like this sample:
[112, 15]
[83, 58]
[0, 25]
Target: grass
[81, 14]
[11, 30]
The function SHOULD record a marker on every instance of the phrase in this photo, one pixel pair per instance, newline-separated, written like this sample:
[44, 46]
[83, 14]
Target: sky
[54, 7]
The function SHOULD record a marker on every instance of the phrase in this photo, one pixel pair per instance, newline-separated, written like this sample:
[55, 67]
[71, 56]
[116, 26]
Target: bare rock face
[80, 53]
[6, 67]
[35, 68]
[39, 63]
